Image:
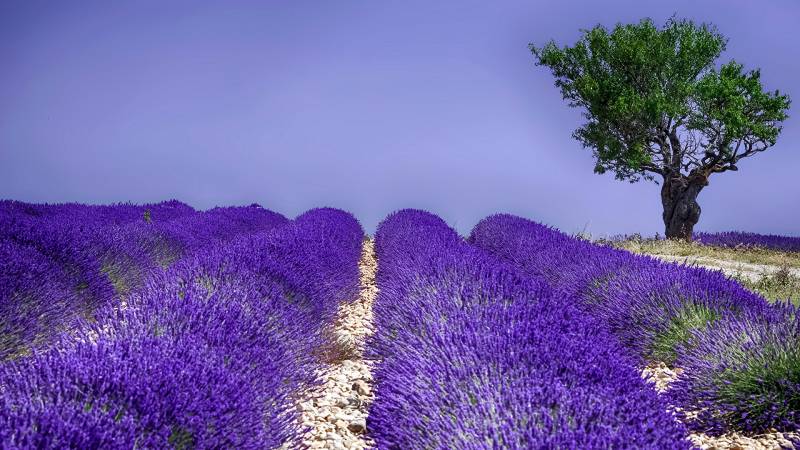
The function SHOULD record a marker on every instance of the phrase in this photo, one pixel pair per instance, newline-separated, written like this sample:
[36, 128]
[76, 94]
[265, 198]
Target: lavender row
[60, 263]
[743, 239]
[207, 355]
[117, 214]
[474, 355]
[740, 355]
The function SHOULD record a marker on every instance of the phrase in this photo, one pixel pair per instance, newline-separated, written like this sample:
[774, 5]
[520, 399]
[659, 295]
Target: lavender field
[160, 326]
[738, 239]
[163, 327]
[399, 225]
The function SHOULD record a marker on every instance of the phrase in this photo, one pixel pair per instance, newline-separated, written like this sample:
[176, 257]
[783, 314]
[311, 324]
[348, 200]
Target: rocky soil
[335, 413]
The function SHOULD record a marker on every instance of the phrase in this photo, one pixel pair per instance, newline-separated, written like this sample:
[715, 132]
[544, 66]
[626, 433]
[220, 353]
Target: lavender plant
[739, 353]
[207, 355]
[36, 295]
[475, 355]
[742, 372]
[744, 239]
[98, 254]
[652, 307]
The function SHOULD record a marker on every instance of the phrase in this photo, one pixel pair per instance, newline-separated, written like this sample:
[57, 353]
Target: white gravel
[661, 375]
[335, 413]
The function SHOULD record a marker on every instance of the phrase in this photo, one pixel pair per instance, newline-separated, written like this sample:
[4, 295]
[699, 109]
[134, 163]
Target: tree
[658, 109]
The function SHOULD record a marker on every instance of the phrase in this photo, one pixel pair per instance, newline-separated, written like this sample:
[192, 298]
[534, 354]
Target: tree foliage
[656, 104]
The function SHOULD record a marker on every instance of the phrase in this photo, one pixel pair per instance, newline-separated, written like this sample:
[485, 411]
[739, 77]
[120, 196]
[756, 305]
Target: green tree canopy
[656, 105]
[645, 89]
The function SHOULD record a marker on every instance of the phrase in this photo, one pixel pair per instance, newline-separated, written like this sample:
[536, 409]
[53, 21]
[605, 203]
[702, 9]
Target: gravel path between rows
[751, 271]
[662, 376]
[335, 413]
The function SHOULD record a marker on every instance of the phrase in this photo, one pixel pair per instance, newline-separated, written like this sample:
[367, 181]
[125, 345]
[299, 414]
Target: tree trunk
[681, 211]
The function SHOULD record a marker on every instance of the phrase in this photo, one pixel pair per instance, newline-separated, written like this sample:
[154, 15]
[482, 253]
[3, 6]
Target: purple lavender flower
[98, 254]
[740, 354]
[475, 355]
[208, 353]
[742, 372]
[743, 239]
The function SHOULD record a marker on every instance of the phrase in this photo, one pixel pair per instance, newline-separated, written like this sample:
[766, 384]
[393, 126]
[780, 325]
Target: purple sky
[366, 106]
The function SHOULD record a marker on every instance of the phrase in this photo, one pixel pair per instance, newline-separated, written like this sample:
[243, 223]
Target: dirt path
[751, 271]
[336, 412]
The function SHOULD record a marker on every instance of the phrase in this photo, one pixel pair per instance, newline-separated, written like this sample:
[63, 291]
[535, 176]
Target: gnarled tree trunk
[681, 211]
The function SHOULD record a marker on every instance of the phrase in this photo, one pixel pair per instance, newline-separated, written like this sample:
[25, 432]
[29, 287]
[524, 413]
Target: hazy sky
[368, 106]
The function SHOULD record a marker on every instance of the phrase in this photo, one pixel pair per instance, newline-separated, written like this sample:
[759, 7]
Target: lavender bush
[116, 214]
[743, 239]
[95, 255]
[651, 306]
[35, 296]
[208, 354]
[473, 355]
[742, 372]
[727, 339]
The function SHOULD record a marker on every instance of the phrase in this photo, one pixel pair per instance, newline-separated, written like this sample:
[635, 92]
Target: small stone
[358, 426]
[331, 436]
[330, 413]
[361, 387]
[340, 377]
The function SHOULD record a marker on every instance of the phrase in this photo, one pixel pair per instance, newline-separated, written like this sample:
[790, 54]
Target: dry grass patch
[780, 286]
[778, 279]
[748, 255]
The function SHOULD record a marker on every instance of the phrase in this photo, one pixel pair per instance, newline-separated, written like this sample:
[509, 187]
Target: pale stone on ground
[335, 413]
[662, 376]
[736, 441]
